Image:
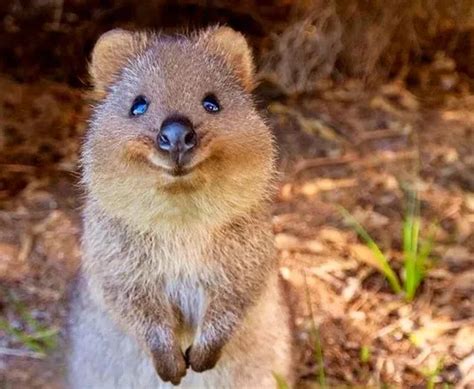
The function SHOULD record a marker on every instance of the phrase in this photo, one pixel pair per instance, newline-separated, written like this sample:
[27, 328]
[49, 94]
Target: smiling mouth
[143, 150]
[175, 170]
[178, 171]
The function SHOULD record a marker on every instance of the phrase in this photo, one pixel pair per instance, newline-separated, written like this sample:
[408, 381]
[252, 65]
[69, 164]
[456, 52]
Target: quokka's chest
[188, 300]
[178, 270]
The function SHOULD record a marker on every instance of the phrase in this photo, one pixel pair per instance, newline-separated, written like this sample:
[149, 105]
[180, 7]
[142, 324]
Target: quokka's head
[175, 134]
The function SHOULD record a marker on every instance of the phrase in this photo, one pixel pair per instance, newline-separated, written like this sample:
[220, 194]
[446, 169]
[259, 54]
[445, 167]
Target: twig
[383, 157]
[318, 347]
[21, 353]
[380, 134]
[25, 248]
[388, 328]
[18, 168]
[386, 156]
[321, 162]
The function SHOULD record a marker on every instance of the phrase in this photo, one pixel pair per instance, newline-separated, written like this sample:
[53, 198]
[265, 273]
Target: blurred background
[371, 104]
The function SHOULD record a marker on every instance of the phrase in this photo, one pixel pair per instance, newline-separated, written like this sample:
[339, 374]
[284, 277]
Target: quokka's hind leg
[262, 347]
[101, 356]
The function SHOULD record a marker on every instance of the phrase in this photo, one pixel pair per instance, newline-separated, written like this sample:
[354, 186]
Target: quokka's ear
[234, 48]
[110, 55]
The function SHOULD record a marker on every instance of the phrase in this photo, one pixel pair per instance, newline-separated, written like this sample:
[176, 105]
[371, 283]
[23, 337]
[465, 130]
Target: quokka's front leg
[154, 326]
[167, 356]
[220, 320]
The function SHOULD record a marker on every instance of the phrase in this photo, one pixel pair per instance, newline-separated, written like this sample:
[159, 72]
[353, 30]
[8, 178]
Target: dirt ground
[344, 146]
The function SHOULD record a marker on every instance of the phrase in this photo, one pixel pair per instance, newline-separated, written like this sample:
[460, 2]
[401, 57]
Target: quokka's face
[176, 135]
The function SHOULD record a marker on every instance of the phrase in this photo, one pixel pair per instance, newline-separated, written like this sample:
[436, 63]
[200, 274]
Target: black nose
[177, 137]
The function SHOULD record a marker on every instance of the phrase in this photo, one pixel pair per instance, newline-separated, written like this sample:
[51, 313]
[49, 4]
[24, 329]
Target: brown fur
[178, 271]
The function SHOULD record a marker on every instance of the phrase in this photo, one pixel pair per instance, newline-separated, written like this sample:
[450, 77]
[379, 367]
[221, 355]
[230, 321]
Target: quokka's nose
[176, 137]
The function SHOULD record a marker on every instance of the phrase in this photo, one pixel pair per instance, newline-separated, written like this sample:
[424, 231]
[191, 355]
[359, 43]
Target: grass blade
[318, 350]
[409, 244]
[32, 333]
[414, 263]
[381, 258]
[365, 354]
[424, 252]
[319, 357]
[281, 383]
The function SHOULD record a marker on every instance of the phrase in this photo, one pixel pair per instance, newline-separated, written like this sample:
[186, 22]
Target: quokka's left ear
[231, 45]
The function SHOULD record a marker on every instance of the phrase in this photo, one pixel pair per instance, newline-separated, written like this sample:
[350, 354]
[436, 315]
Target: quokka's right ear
[233, 46]
[110, 55]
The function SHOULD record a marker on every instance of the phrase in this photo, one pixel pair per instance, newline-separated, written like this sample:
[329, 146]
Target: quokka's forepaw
[170, 365]
[201, 358]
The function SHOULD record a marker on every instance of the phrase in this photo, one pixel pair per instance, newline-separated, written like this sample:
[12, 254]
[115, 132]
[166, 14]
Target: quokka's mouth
[179, 171]
[143, 150]
[174, 171]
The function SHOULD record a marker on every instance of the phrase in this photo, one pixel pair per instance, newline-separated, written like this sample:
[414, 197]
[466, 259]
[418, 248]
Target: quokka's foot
[201, 358]
[170, 365]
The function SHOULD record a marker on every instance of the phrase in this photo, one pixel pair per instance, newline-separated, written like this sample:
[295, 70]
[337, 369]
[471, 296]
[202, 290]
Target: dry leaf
[312, 188]
[287, 242]
[464, 342]
[292, 243]
[332, 235]
[466, 367]
[11, 268]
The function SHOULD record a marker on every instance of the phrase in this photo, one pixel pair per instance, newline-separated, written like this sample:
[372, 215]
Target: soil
[344, 146]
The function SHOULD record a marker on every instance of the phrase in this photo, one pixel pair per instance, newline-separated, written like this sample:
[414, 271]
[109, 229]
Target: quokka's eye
[211, 104]
[139, 106]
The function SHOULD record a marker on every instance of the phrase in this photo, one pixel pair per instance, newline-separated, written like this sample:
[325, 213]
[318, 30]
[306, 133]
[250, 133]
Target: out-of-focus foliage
[371, 40]
[297, 42]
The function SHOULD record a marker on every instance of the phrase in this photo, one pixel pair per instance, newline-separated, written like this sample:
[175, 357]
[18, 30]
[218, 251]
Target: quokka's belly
[189, 301]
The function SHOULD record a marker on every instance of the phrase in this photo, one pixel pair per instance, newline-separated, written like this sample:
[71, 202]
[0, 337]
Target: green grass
[318, 349]
[318, 354]
[281, 382]
[365, 354]
[30, 333]
[431, 374]
[415, 251]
